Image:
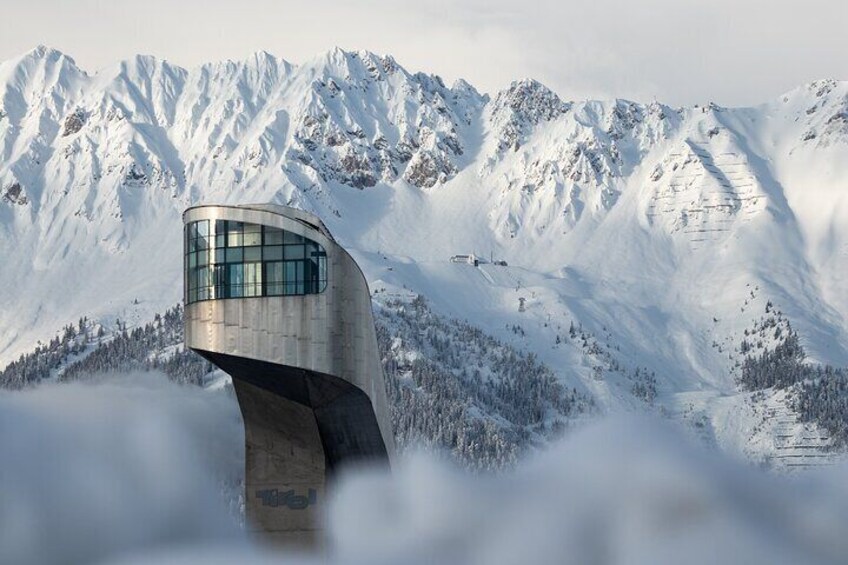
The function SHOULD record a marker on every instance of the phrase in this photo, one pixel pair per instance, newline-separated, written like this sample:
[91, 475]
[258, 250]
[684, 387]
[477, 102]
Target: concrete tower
[274, 301]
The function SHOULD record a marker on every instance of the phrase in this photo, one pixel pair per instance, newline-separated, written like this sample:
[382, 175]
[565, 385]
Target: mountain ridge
[645, 223]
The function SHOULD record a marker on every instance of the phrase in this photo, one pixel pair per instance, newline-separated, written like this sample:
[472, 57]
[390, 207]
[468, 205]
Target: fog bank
[128, 470]
[90, 470]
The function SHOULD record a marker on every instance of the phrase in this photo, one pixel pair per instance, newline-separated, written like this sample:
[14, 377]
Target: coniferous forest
[452, 388]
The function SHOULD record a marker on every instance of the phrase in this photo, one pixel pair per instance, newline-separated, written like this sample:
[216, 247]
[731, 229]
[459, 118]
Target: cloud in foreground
[128, 470]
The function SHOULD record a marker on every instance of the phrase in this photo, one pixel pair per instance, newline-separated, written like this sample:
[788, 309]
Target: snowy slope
[648, 227]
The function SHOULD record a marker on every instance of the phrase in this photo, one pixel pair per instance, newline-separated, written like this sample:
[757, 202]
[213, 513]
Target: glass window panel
[273, 269]
[234, 239]
[272, 253]
[234, 234]
[257, 281]
[311, 276]
[289, 276]
[294, 252]
[322, 268]
[308, 284]
[253, 279]
[274, 272]
[274, 278]
[299, 288]
[252, 254]
[219, 279]
[235, 255]
[289, 237]
[202, 277]
[252, 234]
[235, 280]
[273, 236]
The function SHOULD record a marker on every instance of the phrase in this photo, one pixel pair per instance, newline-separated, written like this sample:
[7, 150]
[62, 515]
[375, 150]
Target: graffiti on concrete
[276, 498]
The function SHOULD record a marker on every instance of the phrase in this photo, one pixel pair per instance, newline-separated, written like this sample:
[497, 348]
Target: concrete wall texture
[307, 374]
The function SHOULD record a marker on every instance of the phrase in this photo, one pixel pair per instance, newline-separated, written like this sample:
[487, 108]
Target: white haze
[88, 471]
[622, 491]
[125, 471]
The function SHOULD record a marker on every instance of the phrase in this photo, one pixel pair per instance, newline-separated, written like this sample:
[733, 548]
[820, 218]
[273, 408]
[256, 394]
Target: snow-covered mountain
[662, 234]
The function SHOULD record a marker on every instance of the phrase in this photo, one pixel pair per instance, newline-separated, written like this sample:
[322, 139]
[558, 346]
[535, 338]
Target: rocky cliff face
[366, 120]
[95, 170]
[357, 119]
[637, 244]
[352, 119]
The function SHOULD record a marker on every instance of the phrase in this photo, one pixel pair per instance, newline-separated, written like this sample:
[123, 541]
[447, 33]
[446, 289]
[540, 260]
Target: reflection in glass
[252, 254]
[235, 281]
[273, 236]
[234, 234]
[252, 235]
[227, 259]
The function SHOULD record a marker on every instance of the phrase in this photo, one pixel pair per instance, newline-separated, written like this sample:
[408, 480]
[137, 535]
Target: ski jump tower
[274, 301]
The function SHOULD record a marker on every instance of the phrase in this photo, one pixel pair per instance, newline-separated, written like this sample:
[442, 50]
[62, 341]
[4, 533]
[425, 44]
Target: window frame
[216, 250]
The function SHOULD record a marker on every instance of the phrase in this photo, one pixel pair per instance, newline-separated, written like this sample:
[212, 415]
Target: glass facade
[227, 259]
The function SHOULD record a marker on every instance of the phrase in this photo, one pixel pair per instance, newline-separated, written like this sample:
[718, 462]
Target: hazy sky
[680, 51]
